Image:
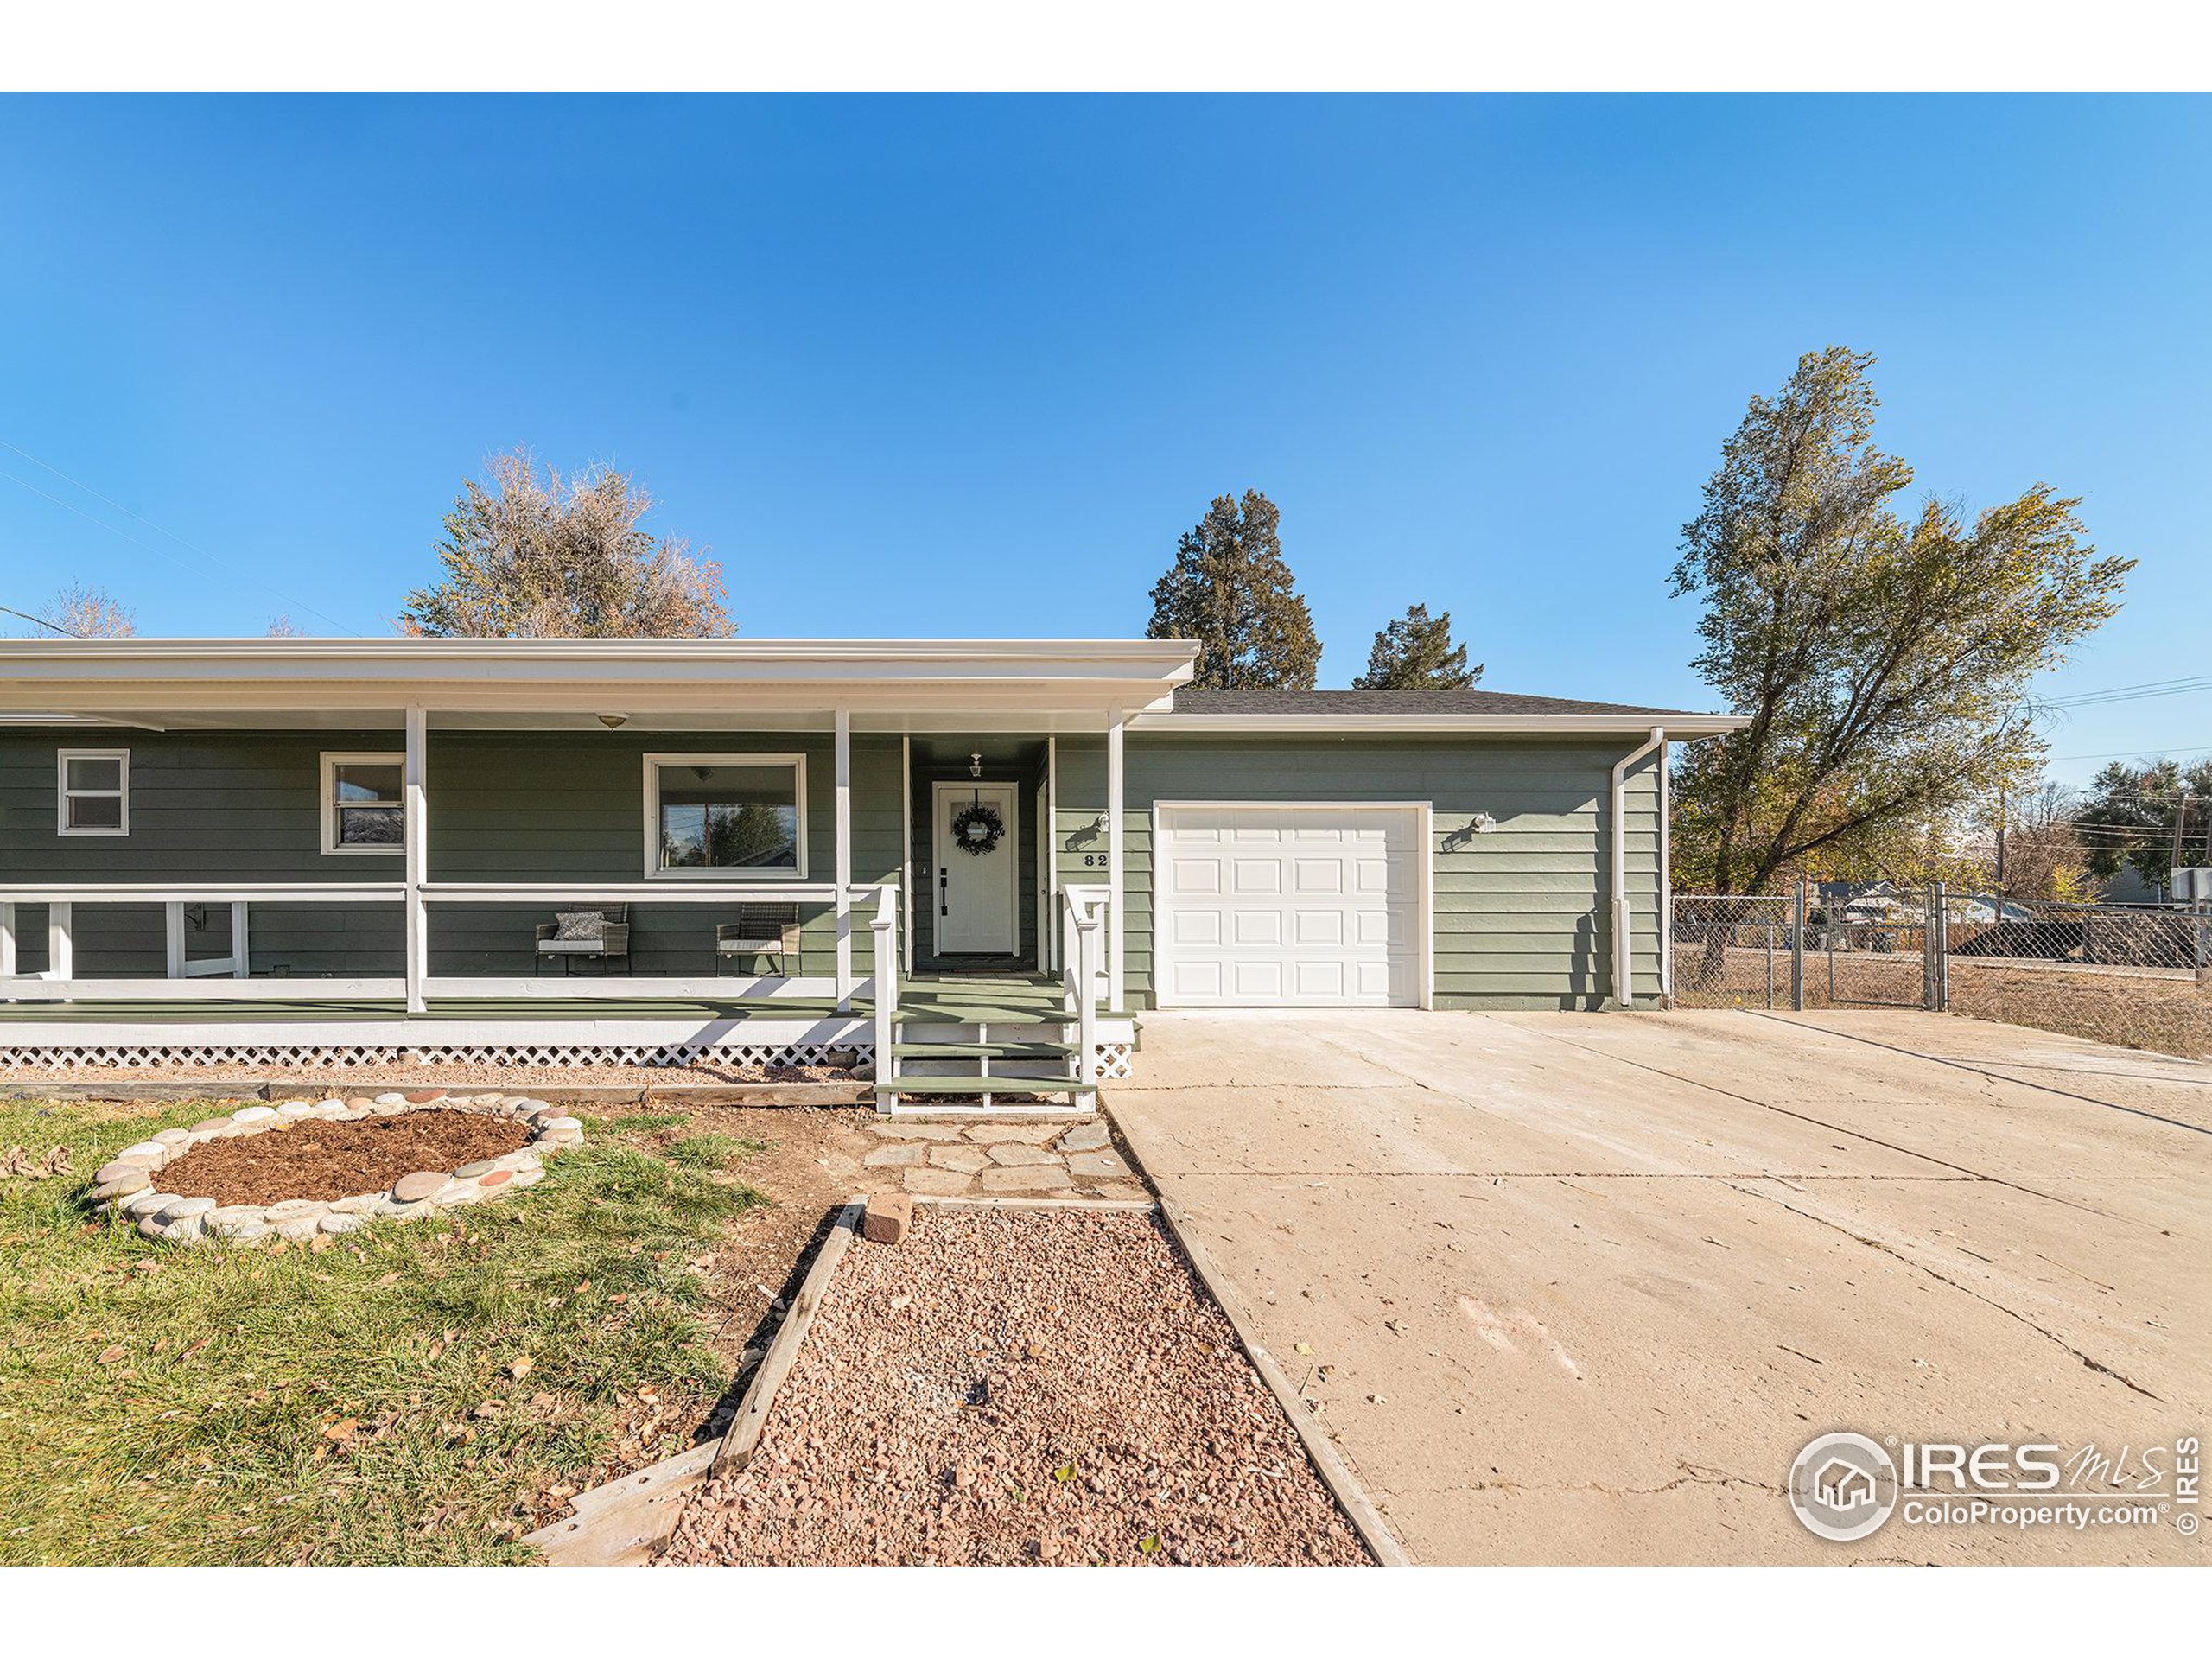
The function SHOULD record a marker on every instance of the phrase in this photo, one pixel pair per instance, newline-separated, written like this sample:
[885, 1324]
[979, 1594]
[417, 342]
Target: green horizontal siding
[504, 806]
[1521, 917]
[1521, 911]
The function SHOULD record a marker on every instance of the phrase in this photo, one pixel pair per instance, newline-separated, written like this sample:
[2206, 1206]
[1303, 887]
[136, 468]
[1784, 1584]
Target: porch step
[1009, 1085]
[1006, 1051]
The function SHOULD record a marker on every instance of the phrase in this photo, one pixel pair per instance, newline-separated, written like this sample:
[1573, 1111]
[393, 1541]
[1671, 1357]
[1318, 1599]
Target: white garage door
[1289, 906]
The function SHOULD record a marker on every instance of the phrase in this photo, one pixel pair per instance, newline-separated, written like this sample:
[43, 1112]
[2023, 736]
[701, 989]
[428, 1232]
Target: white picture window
[726, 817]
[362, 809]
[94, 793]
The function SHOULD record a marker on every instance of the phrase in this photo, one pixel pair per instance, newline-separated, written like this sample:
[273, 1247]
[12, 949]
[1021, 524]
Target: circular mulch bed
[314, 1159]
[309, 1167]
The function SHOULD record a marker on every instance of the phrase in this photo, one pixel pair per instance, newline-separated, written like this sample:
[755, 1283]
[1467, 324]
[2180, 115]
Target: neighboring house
[292, 848]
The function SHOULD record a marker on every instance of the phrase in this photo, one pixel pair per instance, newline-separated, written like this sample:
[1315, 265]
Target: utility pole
[2000, 840]
[2181, 818]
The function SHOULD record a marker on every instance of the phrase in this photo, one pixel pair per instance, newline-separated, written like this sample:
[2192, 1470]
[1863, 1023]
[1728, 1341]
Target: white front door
[978, 893]
[1289, 907]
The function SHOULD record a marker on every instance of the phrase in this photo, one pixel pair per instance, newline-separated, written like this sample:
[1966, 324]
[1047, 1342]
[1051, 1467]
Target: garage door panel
[1257, 980]
[1318, 875]
[1291, 906]
[1257, 927]
[1195, 875]
[1197, 927]
[1255, 876]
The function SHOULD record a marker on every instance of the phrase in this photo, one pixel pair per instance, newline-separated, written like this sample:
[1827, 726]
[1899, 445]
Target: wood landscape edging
[626, 1521]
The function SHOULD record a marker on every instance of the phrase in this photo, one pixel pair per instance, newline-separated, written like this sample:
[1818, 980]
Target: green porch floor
[963, 1000]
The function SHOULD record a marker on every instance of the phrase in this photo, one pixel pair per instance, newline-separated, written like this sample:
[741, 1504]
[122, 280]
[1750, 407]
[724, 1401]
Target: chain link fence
[2136, 974]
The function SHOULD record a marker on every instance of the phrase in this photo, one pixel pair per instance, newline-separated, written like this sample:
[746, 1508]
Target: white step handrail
[1084, 909]
[883, 928]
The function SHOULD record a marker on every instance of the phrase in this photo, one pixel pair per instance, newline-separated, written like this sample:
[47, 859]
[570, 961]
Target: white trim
[209, 892]
[543, 988]
[1424, 879]
[897, 680]
[551, 1029]
[610, 892]
[63, 794]
[1623, 973]
[65, 987]
[1681, 726]
[842, 839]
[906, 849]
[660, 758]
[415, 841]
[1043, 894]
[1051, 850]
[334, 758]
[1666, 888]
[940, 846]
[1116, 793]
[7, 940]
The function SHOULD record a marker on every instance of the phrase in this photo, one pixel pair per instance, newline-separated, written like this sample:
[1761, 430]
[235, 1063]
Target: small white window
[362, 810]
[733, 817]
[95, 792]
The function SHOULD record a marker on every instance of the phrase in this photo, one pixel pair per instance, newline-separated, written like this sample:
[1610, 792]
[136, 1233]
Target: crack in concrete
[1979, 1071]
[1692, 1475]
[2044, 1332]
[1838, 1129]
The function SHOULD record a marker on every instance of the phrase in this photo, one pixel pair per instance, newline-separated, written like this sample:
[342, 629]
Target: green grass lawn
[423, 1392]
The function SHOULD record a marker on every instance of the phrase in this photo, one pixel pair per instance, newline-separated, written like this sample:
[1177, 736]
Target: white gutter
[1623, 980]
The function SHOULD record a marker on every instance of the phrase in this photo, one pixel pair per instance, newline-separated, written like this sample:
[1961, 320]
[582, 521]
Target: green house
[939, 854]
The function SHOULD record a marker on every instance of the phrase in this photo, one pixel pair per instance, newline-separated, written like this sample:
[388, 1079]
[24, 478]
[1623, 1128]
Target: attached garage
[1282, 905]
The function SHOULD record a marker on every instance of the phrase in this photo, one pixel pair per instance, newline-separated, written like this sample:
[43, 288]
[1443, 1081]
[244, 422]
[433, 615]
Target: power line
[2133, 693]
[236, 575]
[41, 621]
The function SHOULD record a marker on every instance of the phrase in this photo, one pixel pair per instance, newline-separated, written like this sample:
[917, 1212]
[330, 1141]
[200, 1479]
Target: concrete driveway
[1577, 1288]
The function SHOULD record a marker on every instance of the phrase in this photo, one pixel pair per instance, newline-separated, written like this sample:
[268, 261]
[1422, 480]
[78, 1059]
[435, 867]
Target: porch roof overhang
[886, 684]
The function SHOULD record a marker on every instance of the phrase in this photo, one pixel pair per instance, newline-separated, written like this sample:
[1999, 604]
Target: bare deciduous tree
[557, 557]
[90, 613]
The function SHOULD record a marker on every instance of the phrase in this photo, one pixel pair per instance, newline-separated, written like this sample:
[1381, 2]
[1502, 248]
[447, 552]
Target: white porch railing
[1084, 913]
[187, 979]
[885, 928]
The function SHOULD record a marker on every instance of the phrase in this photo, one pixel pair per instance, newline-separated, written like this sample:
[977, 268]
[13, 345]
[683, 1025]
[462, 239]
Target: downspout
[1623, 982]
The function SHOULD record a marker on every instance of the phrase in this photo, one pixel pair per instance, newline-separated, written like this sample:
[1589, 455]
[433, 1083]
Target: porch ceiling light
[611, 721]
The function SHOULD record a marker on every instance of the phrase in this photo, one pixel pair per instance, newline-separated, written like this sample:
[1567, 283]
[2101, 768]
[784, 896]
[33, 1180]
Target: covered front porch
[618, 847]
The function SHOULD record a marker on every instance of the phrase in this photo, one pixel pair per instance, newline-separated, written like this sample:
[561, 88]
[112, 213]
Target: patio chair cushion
[578, 925]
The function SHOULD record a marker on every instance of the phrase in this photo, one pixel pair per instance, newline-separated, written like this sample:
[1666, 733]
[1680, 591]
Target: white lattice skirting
[1114, 1059]
[352, 1057]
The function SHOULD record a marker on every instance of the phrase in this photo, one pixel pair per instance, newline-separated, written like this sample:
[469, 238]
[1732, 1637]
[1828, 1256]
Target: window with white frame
[94, 793]
[735, 816]
[362, 809]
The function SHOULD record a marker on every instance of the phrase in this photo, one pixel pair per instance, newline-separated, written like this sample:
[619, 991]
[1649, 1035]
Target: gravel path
[1020, 1386]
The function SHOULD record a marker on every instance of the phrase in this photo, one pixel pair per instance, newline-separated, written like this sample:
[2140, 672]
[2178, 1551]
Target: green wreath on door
[977, 828]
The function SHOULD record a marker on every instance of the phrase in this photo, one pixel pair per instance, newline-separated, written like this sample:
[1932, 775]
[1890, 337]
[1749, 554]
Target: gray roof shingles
[1195, 700]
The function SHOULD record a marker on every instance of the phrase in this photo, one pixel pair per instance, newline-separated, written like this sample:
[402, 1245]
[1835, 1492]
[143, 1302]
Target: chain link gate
[2136, 974]
[1790, 950]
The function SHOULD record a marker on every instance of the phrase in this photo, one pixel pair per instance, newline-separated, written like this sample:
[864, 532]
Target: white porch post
[414, 818]
[60, 943]
[1049, 922]
[173, 932]
[844, 817]
[7, 940]
[906, 849]
[1113, 924]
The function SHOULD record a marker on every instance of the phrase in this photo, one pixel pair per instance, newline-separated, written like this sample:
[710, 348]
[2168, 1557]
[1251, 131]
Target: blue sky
[944, 366]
